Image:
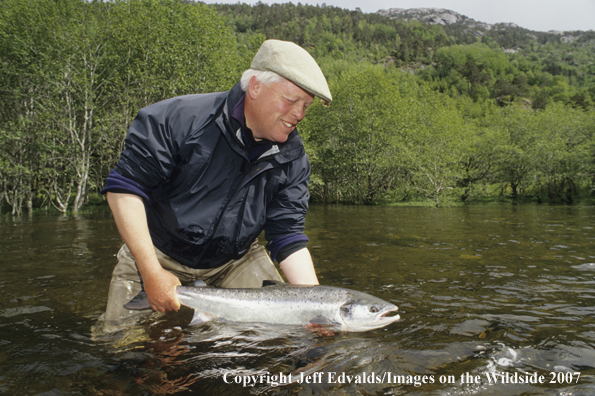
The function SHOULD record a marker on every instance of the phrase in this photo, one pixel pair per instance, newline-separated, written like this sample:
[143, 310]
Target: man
[202, 175]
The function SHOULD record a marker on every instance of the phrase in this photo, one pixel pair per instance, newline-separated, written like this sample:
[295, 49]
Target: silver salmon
[283, 304]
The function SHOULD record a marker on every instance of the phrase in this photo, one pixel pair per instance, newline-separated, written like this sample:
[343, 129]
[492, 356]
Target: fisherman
[202, 175]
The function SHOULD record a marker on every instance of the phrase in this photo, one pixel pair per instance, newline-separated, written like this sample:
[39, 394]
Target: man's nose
[298, 111]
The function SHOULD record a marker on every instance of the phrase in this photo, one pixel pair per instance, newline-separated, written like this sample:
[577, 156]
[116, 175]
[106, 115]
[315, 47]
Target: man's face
[277, 109]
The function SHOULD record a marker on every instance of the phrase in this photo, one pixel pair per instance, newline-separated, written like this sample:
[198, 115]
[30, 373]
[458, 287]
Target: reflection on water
[486, 293]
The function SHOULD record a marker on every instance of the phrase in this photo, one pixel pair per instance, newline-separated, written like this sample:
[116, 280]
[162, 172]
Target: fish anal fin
[199, 317]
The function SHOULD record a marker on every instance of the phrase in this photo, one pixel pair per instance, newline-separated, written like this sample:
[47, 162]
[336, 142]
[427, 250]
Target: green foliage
[436, 143]
[74, 73]
[384, 134]
[547, 153]
[336, 32]
[565, 141]
[352, 144]
[538, 68]
[420, 112]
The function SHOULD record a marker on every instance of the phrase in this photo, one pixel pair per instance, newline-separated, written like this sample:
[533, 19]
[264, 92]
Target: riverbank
[496, 197]
[97, 203]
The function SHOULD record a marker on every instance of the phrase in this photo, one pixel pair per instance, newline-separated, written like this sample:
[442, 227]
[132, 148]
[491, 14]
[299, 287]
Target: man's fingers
[161, 291]
[167, 305]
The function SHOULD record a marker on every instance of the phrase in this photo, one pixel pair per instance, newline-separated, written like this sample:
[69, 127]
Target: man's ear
[254, 87]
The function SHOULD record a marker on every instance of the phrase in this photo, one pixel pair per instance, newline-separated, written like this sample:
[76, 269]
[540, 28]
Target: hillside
[469, 29]
[437, 108]
[509, 110]
[454, 53]
[568, 56]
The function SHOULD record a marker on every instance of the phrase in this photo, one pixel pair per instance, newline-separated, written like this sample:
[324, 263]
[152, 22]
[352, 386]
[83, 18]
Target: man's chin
[281, 138]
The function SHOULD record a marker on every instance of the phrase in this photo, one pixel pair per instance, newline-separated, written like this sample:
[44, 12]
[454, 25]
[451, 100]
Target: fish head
[364, 312]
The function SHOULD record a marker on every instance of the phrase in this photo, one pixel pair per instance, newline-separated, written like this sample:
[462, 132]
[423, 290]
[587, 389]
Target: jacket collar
[289, 151]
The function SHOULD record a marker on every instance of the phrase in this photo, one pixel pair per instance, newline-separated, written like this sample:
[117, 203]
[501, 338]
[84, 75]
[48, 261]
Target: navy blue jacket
[206, 201]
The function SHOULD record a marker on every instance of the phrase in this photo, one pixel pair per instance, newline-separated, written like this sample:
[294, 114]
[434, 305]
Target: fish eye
[373, 309]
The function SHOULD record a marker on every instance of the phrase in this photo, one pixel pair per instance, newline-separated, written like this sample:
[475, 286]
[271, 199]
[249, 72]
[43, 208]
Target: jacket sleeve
[286, 214]
[120, 184]
[154, 141]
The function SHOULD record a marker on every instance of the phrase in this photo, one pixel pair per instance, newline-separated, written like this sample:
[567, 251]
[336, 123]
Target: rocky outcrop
[441, 16]
[434, 16]
[461, 24]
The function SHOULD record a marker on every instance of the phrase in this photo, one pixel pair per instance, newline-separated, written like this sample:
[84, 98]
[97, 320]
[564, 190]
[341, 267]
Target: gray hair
[265, 77]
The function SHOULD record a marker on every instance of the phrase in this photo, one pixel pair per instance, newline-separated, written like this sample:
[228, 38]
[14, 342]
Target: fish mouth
[391, 315]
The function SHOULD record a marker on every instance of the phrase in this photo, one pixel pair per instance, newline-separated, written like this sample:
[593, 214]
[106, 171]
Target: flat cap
[295, 64]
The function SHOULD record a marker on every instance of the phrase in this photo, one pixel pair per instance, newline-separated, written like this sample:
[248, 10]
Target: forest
[422, 114]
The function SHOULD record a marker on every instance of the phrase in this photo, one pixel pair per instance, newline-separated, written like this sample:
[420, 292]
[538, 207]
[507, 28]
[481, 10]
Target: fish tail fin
[269, 282]
[139, 303]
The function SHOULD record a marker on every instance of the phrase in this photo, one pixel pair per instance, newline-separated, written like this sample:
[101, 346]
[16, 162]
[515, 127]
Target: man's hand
[160, 287]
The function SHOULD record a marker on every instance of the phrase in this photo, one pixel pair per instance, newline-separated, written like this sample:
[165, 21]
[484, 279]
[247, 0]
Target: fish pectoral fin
[320, 330]
[322, 326]
[270, 282]
[199, 283]
[139, 303]
[199, 317]
[320, 320]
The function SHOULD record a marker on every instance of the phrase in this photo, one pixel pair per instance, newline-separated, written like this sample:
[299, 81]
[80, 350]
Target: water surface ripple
[486, 293]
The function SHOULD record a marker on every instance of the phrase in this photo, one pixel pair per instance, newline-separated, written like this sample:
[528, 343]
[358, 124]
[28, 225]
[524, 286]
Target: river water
[494, 300]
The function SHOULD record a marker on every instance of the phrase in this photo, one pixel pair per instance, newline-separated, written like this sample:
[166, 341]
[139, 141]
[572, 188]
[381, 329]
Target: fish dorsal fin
[270, 282]
[199, 283]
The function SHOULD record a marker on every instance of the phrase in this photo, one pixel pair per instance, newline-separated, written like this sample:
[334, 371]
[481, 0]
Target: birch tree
[434, 134]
